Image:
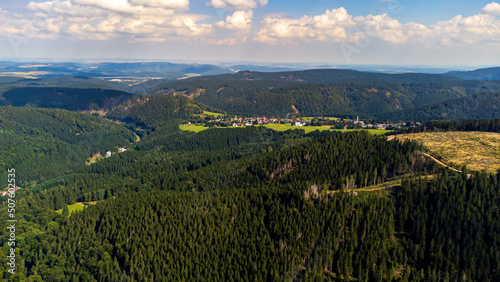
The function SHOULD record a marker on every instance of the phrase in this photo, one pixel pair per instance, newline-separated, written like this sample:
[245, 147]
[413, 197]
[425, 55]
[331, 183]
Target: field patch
[212, 114]
[284, 127]
[477, 150]
[192, 127]
[76, 207]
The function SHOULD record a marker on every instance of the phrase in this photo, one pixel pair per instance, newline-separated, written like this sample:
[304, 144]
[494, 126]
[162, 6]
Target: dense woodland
[44, 143]
[251, 204]
[73, 99]
[484, 125]
[390, 99]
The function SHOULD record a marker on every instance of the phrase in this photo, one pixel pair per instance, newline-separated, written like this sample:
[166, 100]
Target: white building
[108, 154]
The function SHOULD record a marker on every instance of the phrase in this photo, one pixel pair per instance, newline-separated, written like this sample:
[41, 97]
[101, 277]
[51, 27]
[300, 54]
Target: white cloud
[238, 4]
[166, 4]
[140, 20]
[239, 20]
[491, 9]
[329, 26]
[160, 20]
[338, 26]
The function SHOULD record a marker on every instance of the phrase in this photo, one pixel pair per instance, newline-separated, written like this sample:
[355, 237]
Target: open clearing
[477, 150]
[193, 127]
[212, 114]
[75, 207]
[284, 127]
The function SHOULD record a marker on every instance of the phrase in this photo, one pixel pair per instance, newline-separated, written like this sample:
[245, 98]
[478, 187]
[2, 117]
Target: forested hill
[477, 106]
[149, 112]
[44, 143]
[253, 204]
[479, 74]
[329, 75]
[73, 99]
[280, 98]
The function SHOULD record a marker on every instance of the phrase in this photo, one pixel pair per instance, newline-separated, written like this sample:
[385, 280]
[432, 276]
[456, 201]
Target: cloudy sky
[404, 32]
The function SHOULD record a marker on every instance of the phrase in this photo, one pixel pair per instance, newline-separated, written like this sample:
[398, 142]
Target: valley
[331, 169]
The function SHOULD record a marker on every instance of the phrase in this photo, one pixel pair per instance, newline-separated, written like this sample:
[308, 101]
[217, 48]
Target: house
[298, 123]
[121, 150]
[108, 154]
[4, 193]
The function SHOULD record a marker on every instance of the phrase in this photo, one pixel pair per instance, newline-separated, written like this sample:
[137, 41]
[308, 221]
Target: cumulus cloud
[338, 26]
[140, 20]
[329, 26]
[239, 20]
[491, 9]
[238, 4]
[159, 20]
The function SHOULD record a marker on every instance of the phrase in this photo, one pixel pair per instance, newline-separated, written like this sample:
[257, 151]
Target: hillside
[330, 75]
[149, 112]
[73, 99]
[44, 143]
[479, 74]
[229, 203]
[476, 106]
[477, 150]
[282, 98]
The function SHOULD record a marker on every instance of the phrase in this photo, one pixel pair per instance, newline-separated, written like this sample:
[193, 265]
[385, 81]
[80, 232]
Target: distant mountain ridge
[329, 75]
[479, 74]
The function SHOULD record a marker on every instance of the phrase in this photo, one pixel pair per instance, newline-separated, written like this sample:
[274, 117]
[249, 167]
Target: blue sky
[434, 33]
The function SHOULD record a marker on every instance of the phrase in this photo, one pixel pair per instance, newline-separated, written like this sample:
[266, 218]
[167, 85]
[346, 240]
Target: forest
[45, 143]
[392, 99]
[259, 205]
[250, 203]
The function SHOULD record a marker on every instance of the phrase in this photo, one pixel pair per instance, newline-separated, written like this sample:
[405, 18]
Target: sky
[378, 32]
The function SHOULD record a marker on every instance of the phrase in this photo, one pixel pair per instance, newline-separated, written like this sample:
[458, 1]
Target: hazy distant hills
[329, 75]
[162, 70]
[480, 74]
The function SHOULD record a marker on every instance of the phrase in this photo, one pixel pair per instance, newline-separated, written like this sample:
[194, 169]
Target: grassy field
[284, 127]
[75, 207]
[212, 114]
[478, 150]
[192, 127]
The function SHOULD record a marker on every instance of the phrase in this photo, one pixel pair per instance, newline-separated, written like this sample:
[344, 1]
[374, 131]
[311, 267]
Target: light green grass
[73, 208]
[284, 127]
[307, 129]
[212, 114]
[76, 207]
[373, 131]
[192, 127]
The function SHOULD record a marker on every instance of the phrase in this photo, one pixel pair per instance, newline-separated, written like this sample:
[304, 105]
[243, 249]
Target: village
[336, 123]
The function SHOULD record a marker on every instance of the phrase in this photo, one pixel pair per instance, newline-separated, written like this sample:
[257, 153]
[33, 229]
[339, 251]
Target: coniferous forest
[238, 204]
[258, 205]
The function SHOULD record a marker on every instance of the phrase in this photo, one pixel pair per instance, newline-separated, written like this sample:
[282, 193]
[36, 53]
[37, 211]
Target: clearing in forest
[477, 150]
